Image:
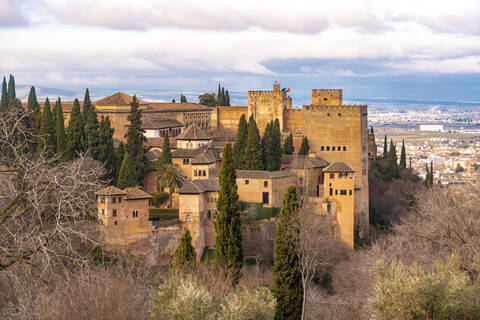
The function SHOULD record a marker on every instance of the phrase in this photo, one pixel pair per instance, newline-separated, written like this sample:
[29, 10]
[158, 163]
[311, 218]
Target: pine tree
[136, 140]
[253, 150]
[106, 150]
[59, 129]
[4, 100]
[126, 177]
[185, 256]
[240, 143]
[287, 288]
[46, 138]
[76, 141]
[228, 239]
[87, 105]
[227, 98]
[403, 157]
[288, 144]
[92, 133]
[385, 148]
[267, 147]
[12, 96]
[304, 148]
[276, 145]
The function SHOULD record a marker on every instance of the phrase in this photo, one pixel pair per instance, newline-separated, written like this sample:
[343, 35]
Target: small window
[114, 212]
[265, 184]
[247, 181]
[102, 199]
[194, 173]
[135, 213]
[344, 148]
[103, 212]
[209, 214]
[115, 222]
[265, 197]
[189, 219]
[339, 148]
[333, 148]
[119, 199]
[331, 191]
[114, 200]
[332, 175]
[204, 173]
[350, 192]
[328, 148]
[343, 192]
[339, 114]
[336, 192]
[325, 99]
[322, 148]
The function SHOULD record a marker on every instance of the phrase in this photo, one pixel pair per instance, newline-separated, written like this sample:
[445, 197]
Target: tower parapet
[327, 97]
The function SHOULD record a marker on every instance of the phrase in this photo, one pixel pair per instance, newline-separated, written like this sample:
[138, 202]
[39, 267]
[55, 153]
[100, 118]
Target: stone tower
[268, 105]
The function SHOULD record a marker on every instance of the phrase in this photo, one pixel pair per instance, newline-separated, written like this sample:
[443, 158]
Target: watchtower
[266, 106]
[327, 97]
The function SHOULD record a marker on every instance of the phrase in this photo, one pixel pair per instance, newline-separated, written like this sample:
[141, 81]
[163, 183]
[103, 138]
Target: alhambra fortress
[333, 176]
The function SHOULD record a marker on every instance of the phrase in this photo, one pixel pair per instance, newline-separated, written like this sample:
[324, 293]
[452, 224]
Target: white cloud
[10, 14]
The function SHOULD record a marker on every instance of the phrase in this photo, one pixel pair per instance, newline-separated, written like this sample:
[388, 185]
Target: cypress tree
[106, 150]
[228, 239]
[183, 99]
[267, 148]
[385, 147]
[126, 177]
[277, 146]
[240, 143]
[135, 141]
[227, 98]
[224, 102]
[219, 96]
[253, 149]
[185, 256]
[46, 138]
[59, 128]
[287, 288]
[76, 140]
[33, 105]
[304, 148]
[288, 144]
[92, 133]
[119, 155]
[166, 156]
[12, 96]
[87, 105]
[427, 176]
[403, 156]
[431, 173]
[4, 100]
[393, 168]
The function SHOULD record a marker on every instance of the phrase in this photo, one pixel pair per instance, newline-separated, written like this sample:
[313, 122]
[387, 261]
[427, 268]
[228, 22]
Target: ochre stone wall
[327, 97]
[253, 191]
[267, 106]
[226, 118]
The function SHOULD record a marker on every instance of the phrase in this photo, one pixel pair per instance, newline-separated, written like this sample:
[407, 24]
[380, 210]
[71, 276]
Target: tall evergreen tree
[288, 144]
[119, 155]
[304, 148]
[385, 148]
[183, 99]
[227, 98]
[219, 96]
[76, 141]
[427, 176]
[228, 239]
[12, 96]
[4, 100]
[165, 158]
[59, 129]
[431, 173]
[224, 102]
[46, 139]
[392, 159]
[87, 105]
[240, 143]
[185, 256]
[403, 156]
[277, 145]
[136, 140]
[253, 149]
[32, 105]
[92, 133]
[287, 288]
[127, 177]
[106, 150]
[267, 148]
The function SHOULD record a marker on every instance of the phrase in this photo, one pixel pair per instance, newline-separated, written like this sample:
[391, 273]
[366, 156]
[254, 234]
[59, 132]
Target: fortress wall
[293, 121]
[327, 97]
[226, 118]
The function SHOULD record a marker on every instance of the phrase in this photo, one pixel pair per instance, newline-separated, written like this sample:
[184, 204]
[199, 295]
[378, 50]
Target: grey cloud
[10, 14]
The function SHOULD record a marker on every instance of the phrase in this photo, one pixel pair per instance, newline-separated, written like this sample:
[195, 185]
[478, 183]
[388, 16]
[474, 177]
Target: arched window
[333, 148]
[322, 148]
[344, 148]
[339, 148]
[328, 148]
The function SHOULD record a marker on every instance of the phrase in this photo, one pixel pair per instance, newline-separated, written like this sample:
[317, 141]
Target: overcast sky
[380, 48]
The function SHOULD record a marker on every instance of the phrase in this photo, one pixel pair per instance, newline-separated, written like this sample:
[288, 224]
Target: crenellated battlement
[330, 91]
[327, 96]
[265, 93]
[334, 108]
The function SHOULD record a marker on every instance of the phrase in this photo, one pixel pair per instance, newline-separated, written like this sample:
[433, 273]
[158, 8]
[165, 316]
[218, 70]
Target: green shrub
[160, 198]
[245, 304]
[182, 298]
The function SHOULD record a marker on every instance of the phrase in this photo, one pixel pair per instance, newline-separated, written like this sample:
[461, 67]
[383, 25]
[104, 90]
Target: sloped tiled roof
[188, 153]
[194, 132]
[110, 191]
[300, 162]
[170, 106]
[210, 155]
[200, 186]
[260, 174]
[338, 166]
[116, 99]
[136, 193]
[160, 123]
